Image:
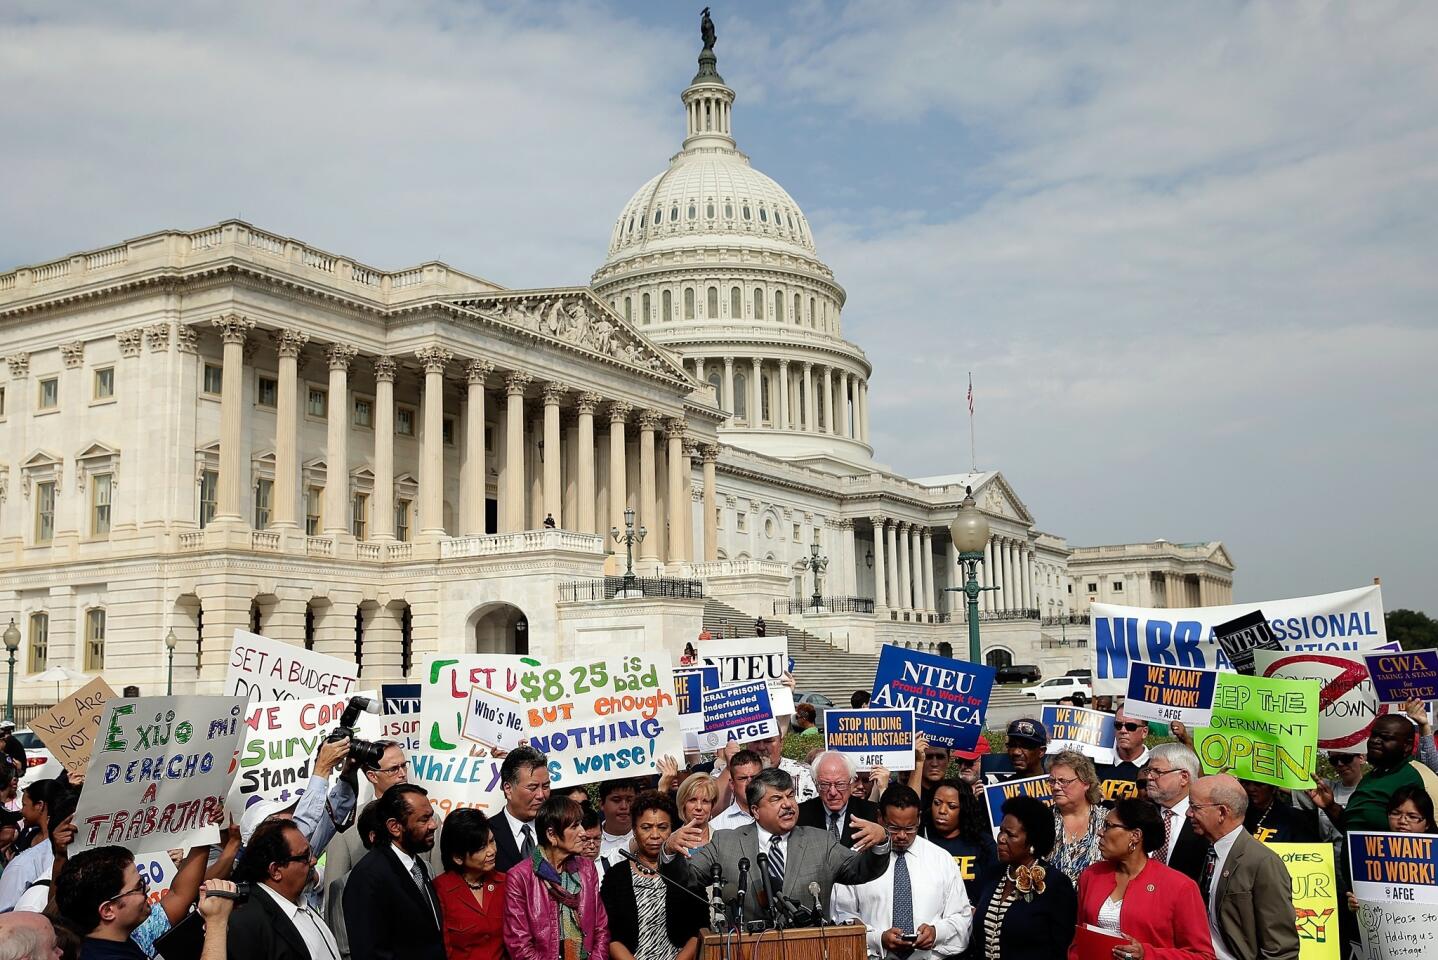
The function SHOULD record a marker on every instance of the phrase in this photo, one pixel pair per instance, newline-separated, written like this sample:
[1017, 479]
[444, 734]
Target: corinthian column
[781, 420]
[649, 421]
[337, 448]
[585, 461]
[288, 343]
[233, 329]
[728, 403]
[756, 395]
[618, 468]
[431, 463]
[881, 593]
[553, 394]
[891, 536]
[514, 386]
[383, 521]
[809, 421]
[678, 498]
[472, 496]
[829, 425]
[926, 550]
[906, 583]
[710, 453]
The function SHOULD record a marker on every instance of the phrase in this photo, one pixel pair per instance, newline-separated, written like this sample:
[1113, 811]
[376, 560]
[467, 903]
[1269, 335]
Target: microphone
[741, 902]
[716, 904]
[773, 905]
[646, 868]
[815, 891]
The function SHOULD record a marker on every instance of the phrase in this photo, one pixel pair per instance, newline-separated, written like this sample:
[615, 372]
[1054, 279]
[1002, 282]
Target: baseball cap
[980, 748]
[257, 813]
[1030, 730]
[7, 724]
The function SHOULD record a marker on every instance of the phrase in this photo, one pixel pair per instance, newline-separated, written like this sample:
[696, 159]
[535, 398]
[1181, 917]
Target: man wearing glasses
[834, 776]
[1172, 771]
[1119, 780]
[276, 923]
[347, 849]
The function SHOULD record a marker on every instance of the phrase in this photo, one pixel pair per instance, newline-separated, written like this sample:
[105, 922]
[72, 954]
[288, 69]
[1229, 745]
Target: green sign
[1263, 729]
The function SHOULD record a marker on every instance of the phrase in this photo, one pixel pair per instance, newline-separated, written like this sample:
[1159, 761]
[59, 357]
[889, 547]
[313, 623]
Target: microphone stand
[653, 871]
[778, 912]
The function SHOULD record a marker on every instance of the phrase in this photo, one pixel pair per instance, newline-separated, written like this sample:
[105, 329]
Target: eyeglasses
[1339, 759]
[1110, 825]
[1407, 818]
[142, 888]
[1200, 806]
[1062, 782]
[1130, 726]
[833, 784]
[902, 831]
[403, 765]
[1155, 774]
[304, 857]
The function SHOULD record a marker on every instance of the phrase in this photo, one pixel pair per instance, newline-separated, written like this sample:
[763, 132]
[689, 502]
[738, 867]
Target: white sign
[159, 773]
[455, 781]
[445, 686]
[746, 659]
[267, 670]
[1347, 705]
[494, 720]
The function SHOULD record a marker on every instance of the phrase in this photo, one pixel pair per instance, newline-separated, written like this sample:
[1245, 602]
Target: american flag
[971, 394]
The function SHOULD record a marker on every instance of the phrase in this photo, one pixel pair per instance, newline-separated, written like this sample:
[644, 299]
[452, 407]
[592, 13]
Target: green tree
[1413, 629]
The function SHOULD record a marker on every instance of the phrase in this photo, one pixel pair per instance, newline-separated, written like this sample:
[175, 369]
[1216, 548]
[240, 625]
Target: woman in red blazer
[471, 892]
[1155, 909]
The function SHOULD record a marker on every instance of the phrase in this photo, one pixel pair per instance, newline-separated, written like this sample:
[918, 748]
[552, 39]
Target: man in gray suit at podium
[794, 856]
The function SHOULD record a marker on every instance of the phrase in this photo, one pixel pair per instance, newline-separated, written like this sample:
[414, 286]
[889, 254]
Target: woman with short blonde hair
[696, 799]
[1078, 818]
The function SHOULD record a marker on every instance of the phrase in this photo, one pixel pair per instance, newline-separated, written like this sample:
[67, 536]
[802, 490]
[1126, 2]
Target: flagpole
[973, 450]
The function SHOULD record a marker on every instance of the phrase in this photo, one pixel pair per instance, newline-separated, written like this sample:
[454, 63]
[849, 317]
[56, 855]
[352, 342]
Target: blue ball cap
[1029, 729]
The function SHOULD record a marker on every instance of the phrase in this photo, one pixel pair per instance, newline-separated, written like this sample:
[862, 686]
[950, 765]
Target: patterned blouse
[654, 943]
[1072, 856]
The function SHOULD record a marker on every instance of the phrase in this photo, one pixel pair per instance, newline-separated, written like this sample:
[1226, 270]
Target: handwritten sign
[159, 772]
[494, 720]
[746, 659]
[1394, 930]
[1347, 703]
[604, 719]
[996, 793]
[689, 686]
[1089, 732]
[158, 871]
[455, 781]
[68, 728]
[1315, 898]
[281, 740]
[401, 714]
[872, 738]
[740, 714]
[1406, 675]
[948, 697]
[445, 688]
[268, 670]
[1160, 692]
[1263, 729]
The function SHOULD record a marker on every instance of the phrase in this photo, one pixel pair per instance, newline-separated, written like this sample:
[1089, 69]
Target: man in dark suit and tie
[1172, 770]
[275, 922]
[524, 778]
[834, 776]
[391, 910]
[793, 856]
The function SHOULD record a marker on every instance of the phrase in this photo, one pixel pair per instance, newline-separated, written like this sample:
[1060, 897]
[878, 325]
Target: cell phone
[908, 937]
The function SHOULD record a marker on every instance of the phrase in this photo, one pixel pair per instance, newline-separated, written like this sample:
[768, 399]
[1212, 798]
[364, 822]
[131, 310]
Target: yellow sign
[1315, 897]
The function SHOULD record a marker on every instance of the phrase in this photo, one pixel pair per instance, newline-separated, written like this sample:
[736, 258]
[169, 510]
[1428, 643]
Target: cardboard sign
[746, 659]
[1263, 729]
[872, 738]
[158, 871]
[401, 714]
[445, 686]
[743, 713]
[1392, 930]
[689, 686]
[1405, 675]
[68, 728]
[948, 697]
[1347, 704]
[494, 720]
[1351, 620]
[1315, 898]
[1089, 732]
[269, 670]
[1159, 692]
[606, 719]
[1394, 866]
[996, 793]
[1239, 637]
[280, 743]
[455, 781]
[159, 773]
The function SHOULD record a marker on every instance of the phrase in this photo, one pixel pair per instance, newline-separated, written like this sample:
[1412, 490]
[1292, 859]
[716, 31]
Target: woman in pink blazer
[552, 909]
[1155, 909]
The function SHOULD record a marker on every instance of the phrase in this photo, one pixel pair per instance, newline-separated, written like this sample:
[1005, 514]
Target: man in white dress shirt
[743, 767]
[919, 908]
[276, 922]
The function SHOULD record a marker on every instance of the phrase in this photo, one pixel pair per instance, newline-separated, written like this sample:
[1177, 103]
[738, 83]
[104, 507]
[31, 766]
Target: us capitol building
[226, 428]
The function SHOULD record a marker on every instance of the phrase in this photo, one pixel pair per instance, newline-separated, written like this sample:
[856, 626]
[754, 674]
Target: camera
[365, 753]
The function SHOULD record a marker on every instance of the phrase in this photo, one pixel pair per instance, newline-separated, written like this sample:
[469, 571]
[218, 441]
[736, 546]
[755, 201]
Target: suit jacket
[812, 855]
[1040, 929]
[813, 814]
[683, 915]
[1253, 901]
[506, 853]
[259, 928]
[386, 916]
[1190, 852]
[1162, 909]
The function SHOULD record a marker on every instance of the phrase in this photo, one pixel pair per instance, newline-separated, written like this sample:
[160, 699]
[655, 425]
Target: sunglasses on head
[1128, 725]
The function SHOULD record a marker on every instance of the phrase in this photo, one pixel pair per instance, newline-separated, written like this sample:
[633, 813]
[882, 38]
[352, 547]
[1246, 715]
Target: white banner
[1347, 705]
[746, 659]
[445, 686]
[455, 781]
[267, 670]
[1351, 620]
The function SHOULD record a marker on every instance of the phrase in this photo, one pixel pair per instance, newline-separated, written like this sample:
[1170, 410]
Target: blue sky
[1187, 249]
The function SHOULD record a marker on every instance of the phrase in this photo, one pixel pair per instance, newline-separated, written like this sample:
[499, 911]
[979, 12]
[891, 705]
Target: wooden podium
[843, 942]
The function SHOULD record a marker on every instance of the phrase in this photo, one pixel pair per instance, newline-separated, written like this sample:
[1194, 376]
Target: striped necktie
[776, 862]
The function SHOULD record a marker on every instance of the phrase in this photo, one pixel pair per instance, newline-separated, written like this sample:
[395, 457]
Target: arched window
[778, 306]
[717, 382]
[629, 309]
[741, 395]
[799, 314]
[711, 304]
[666, 301]
[758, 304]
[709, 210]
[658, 215]
[688, 303]
[812, 311]
[693, 212]
[39, 659]
[644, 307]
[747, 215]
[94, 640]
[728, 210]
[764, 396]
[763, 215]
[674, 213]
[736, 303]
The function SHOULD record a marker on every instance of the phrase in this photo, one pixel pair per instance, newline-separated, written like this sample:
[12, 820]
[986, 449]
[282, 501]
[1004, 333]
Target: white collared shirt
[319, 941]
[1180, 817]
[765, 844]
[731, 817]
[1223, 846]
[516, 829]
[939, 900]
[609, 843]
[1138, 761]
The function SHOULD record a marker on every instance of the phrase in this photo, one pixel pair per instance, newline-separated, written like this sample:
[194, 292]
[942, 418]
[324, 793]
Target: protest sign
[1159, 692]
[1397, 930]
[159, 772]
[1263, 729]
[494, 720]
[1089, 732]
[1315, 898]
[1351, 620]
[158, 871]
[1347, 705]
[743, 713]
[455, 781]
[401, 714]
[996, 793]
[746, 659]
[281, 740]
[872, 738]
[604, 719]
[1405, 675]
[948, 696]
[689, 686]
[268, 670]
[445, 686]
[1239, 637]
[1394, 866]
[68, 728]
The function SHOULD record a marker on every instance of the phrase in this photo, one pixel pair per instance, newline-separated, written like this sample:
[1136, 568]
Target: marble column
[906, 583]
[954, 577]
[649, 422]
[989, 577]
[926, 550]
[337, 448]
[1011, 573]
[881, 593]
[781, 419]
[845, 423]
[382, 523]
[233, 329]
[618, 469]
[431, 461]
[584, 462]
[851, 559]
[891, 537]
[678, 497]
[808, 396]
[864, 408]
[728, 402]
[477, 476]
[829, 401]
[1026, 576]
[756, 394]
[288, 343]
[710, 453]
[916, 568]
[553, 394]
[514, 508]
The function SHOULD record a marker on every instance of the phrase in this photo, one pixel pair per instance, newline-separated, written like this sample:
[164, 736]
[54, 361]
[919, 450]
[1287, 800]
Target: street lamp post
[818, 564]
[629, 538]
[170, 641]
[12, 643]
[970, 533]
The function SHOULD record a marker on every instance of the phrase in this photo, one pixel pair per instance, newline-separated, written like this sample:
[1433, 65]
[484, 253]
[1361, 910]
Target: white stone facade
[1157, 574]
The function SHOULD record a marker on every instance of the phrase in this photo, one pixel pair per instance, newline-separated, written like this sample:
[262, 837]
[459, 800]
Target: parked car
[1018, 673]
[819, 702]
[1083, 673]
[39, 763]
[1058, 688]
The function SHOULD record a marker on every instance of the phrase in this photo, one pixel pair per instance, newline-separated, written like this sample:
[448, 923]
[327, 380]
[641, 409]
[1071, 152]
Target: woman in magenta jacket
[552, 909]
[1155, 909]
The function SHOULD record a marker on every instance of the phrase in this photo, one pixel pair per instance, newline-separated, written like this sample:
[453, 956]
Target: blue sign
[872, 738]
[401, 714]
[948, 696]
[996, 794]
[1394, 866]
[1157, 691]
[1089, 732]
[1405, 675]
[740, 713]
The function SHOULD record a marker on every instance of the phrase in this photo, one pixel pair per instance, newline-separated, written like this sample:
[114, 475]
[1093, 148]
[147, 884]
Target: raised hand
[685, 839]
[332, 754]
[1321, 794]
[867, 834]
[668, 773]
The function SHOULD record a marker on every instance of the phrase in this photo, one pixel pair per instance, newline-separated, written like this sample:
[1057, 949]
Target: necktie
[417, 871]
[526, 848]
[834, 825]
[776, 863]
[1206, 881]
[903, 895]
[1162, 856]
